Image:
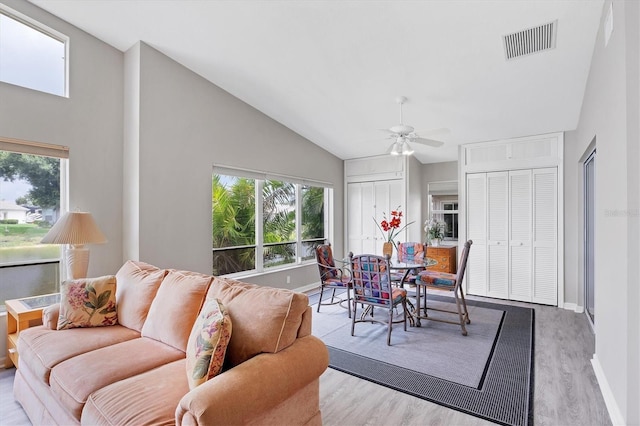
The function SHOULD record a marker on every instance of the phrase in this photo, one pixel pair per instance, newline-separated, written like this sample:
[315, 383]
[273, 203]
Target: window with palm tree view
[260, 224]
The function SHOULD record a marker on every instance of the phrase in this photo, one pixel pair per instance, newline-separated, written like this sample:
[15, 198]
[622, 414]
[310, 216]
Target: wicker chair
[332, 277]
[372, 287]
[444, 281]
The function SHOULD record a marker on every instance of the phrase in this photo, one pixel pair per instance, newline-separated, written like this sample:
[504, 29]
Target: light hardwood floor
[565, 388]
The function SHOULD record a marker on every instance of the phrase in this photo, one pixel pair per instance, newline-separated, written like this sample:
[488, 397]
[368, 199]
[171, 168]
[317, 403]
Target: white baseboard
[612, 407]
[308, 287]
[573, 307]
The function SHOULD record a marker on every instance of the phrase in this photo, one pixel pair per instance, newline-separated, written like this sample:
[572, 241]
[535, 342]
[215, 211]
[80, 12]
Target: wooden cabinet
[446, 256]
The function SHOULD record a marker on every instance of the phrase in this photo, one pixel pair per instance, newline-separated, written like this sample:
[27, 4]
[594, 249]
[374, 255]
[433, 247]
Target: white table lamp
[75, 229]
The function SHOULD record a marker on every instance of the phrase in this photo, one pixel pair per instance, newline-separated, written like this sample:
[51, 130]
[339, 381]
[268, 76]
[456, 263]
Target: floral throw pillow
[207, 343]
[88, 302]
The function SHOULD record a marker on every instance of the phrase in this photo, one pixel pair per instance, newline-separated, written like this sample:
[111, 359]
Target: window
[443, 206]
[32, 178]
[450, 218]
[32, 55]
[262, 223]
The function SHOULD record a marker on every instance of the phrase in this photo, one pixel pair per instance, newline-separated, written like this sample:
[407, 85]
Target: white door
[545, 236]
[497, 233]
[476, 273]
[366, 204]
[359, 200]
[389, 196]
[520, 211]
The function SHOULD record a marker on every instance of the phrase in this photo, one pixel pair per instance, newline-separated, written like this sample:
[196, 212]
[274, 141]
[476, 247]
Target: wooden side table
[22, 314]
[446, 257]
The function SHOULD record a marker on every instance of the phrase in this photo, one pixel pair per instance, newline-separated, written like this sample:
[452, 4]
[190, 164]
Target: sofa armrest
[50, 316]
[255, 386]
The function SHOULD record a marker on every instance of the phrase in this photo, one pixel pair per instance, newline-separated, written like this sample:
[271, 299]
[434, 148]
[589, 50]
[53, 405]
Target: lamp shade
[75, 228]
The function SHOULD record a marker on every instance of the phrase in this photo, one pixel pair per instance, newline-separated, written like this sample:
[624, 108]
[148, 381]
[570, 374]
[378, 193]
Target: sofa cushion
[175, 307]
[265, 319]
[138, 283]
[88, 302]
[41, 348]
[207, 343]
[73, 380]
[146, 399]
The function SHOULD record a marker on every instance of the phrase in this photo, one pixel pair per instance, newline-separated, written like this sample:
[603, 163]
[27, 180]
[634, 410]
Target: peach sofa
[134, 373]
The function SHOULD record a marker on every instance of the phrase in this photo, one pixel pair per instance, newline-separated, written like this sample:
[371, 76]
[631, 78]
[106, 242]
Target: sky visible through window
[31, 58]
[10, 191]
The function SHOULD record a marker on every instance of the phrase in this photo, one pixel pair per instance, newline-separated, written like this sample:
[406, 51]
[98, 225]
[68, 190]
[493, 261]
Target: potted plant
[435, 231]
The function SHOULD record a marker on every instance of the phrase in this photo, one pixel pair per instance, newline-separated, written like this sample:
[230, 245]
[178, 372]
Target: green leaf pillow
[207, 343]
[88, 302]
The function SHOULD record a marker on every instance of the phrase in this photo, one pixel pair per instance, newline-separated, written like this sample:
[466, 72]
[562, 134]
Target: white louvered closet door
[359, 198]
[497, 233]
[520, 212]
[476, 273]
[388, 195]
[366, 202]
[545, 236]
[361, 207]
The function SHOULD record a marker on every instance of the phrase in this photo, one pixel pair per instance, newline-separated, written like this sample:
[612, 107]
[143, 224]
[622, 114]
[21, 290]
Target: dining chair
[409, 252]
[332, 277]
[451, 282]
[372, 287]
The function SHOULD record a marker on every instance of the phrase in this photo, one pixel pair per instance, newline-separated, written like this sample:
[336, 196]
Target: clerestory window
[31, 54]
[265, 222]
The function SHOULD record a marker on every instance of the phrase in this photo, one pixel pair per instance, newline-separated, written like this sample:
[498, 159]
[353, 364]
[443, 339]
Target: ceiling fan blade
[430, 142]
[434, 132]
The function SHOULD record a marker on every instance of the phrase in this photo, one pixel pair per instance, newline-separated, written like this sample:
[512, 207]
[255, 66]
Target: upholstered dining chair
[452, 282]
[332, 277]
[372, 287]
[409, 252]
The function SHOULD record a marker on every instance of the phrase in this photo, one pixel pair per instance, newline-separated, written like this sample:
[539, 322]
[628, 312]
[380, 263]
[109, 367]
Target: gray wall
[89, 122]
[610, 115]
[186, 125]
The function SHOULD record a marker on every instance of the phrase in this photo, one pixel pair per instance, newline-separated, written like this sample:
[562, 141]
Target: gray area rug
[428, 349]
[488, 374]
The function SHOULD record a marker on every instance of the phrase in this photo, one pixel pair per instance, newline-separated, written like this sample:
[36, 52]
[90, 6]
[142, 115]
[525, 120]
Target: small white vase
[435, 242]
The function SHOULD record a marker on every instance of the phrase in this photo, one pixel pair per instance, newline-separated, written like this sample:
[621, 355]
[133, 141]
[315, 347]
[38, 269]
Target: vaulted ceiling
[331, 70]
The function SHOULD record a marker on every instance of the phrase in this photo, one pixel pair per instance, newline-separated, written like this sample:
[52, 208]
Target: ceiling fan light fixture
[406, 148]
[396, 148]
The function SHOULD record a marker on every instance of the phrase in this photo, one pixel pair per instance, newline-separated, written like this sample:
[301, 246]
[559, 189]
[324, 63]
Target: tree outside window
[26, 217]
[261, 224]
[29, 206]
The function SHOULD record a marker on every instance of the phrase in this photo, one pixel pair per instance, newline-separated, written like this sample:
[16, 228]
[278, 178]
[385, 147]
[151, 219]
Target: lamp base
[77, 262]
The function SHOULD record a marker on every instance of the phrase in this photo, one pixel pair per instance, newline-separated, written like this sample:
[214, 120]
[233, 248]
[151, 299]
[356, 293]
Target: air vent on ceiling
[530, 41]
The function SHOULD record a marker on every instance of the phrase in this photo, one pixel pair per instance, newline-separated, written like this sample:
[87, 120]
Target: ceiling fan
[401, 134]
